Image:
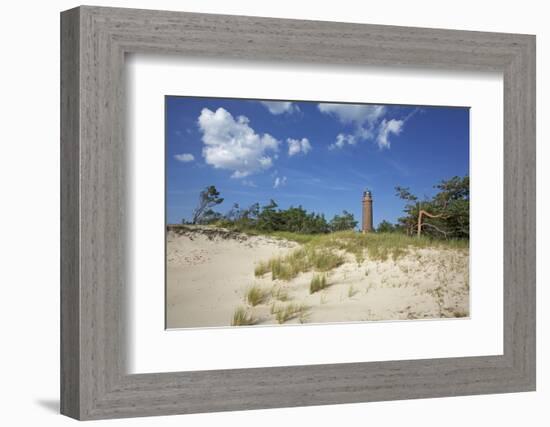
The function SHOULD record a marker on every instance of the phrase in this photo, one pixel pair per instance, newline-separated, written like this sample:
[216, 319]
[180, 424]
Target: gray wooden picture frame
[94, 381]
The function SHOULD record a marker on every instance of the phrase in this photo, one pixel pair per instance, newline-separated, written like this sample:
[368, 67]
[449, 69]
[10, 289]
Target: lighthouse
[367, 212]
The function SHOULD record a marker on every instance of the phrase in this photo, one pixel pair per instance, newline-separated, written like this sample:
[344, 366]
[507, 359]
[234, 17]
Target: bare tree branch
[436, 228]
[422, 213]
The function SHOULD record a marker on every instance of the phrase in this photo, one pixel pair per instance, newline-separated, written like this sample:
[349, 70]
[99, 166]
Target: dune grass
[241, 317]
[255, 295]
[381, 245]
[261, 269]
[378, 246]
[299, 261]
[279, 294]
[318, 282]
[284, 313]
[324, 252]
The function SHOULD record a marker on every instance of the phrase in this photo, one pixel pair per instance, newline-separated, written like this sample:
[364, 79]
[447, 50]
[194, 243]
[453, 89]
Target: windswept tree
[346, 221]
[234, 214]
[208, 199]
[446, 215]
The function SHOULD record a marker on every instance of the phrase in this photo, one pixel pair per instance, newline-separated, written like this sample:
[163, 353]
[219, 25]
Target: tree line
[267, 218]
[446, 215]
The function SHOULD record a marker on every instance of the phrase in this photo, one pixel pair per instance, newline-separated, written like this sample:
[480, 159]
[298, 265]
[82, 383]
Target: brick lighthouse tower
[367, 212]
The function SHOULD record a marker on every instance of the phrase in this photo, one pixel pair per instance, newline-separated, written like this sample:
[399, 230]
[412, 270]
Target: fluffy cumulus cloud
[386, 128]
[368, 122]
[184, 157]
[297, 146]
[279, 182]
[341, 141]
[230, 143]
[280, 107]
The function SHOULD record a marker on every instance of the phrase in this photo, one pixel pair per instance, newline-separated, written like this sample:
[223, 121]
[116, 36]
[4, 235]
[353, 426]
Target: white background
[154, 350]
[29, 216]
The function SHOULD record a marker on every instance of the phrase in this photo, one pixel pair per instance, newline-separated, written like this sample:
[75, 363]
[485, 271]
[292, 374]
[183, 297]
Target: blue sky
[318, 155]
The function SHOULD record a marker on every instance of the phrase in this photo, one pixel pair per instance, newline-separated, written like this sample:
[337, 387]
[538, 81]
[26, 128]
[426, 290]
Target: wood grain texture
[70, 291]
[94, 381]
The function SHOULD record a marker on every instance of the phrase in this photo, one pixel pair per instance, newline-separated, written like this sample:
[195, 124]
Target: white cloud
[266, 162]
[368, 123]
[352, 113]
[386, 128]
[342, 140]
[296, 146]
[279, 182]
[280, 107]
[232, 144]
[184, 157]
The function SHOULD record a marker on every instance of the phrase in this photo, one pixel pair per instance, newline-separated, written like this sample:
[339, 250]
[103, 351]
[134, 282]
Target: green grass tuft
[318, 282]
[255, 295]
[324, 260]
[241, 317]
[283, 313]
[302, 260]
[261, 269]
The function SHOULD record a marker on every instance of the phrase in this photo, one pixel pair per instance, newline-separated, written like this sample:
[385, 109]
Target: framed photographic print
[255, 212]
[261, 213]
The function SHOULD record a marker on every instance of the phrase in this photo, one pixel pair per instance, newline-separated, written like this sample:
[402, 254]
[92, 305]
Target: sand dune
[209, 272]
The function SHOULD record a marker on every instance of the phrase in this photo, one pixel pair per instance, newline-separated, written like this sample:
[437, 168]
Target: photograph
[264, 213]
[286, 212]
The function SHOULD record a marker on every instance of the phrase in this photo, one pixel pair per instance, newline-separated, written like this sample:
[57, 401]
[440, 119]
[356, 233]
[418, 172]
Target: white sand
[208, 275]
